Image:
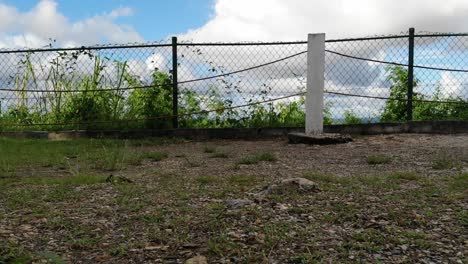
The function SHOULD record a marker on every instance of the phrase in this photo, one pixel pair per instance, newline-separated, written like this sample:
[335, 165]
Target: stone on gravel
[301, 184]
[320, 139]
[238, 203]
[197, 260]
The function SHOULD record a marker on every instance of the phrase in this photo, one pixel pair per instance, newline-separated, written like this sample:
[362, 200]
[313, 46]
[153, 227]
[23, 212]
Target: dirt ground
[380, 199]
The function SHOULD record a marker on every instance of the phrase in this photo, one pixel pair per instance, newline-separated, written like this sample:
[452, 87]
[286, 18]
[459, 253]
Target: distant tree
[395, 110]
[351, 119]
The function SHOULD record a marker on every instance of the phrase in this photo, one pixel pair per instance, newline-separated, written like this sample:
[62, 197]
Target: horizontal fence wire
[160, 85]
[395, 63]
[396, 99]
[244, 84]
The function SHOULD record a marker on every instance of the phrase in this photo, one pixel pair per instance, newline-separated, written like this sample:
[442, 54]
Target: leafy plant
[395, 108]
[152, 102]
[351, 118]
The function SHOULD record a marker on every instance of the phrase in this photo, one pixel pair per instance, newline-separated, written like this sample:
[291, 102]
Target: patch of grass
[13, 253]
[459, 182]
[309, 257]
[243, 180]
[156, 141]
[379, 159]
[444, 162]
[61, 192]
[462, 217]
[51, 257]
[256, 158]
[220, 245]
[119, 251]
[404, 176]
[320, 177]
[193, 163]
[22, 197]
[205, 180]
[59, 222]
[79, 179]
[275, 232]
[342, 213]
[419, 239]
[208, 149]
[219, 155]
[154, 155]
[75, 155]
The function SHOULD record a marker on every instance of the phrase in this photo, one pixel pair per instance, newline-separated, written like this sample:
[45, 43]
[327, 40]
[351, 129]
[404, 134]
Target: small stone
[318, 139]
[301, 184]
[197, 260]
[238, 203]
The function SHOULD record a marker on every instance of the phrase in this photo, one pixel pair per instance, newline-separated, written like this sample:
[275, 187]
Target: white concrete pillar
[315, 83]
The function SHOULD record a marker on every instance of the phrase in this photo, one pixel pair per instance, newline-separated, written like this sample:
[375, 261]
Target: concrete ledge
[437, 127]
[319, 139]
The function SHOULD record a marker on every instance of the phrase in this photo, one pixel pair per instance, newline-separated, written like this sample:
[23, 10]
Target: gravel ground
[379, 199]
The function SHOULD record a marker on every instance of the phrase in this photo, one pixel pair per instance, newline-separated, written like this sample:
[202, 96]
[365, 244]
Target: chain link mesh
[229, 84]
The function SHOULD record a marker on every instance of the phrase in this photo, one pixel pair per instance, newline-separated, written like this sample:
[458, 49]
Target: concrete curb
[433, 127]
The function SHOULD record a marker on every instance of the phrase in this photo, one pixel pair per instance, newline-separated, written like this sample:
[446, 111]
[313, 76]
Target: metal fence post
[409, 105]
[175, 88]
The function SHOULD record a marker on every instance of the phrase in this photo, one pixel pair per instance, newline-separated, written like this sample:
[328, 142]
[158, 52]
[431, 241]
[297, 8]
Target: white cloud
[451, 86]
[36, 27]
[266, 20]
[157, 61]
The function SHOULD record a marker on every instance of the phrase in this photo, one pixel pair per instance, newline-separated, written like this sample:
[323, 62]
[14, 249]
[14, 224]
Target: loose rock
[197, 260]
[301, 184]
[238, 203]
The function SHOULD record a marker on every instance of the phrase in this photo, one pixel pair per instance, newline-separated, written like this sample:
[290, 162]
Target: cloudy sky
[77, 22]
[28, 23]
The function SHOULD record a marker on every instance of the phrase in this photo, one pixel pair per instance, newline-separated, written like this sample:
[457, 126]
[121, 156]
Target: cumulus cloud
[36, 27]
[265, 20]
[279, 20]
[451, 86]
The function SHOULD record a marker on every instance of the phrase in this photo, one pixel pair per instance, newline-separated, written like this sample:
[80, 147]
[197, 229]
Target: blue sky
[28, 23]
[153, 19]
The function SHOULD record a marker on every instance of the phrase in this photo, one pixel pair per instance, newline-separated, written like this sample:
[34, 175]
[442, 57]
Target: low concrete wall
[436, 127]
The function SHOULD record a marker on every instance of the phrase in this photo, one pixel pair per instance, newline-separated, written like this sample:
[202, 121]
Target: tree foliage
[437, 109]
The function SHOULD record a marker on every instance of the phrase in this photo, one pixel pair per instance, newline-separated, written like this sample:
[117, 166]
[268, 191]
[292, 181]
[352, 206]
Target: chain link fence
[216, 85]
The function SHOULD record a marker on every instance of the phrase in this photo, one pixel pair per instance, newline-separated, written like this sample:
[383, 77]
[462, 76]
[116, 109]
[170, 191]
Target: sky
[77, 22]
[72, 23]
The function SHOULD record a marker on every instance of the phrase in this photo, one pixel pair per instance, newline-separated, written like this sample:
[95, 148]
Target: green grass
[444, 162]
[387, 181]
[80, 179]
[208, 149]
[154, 155]
[320, 177]
[459, 182]
[219, 155]
[256, 158]
[404, 176]
[171, 209]
[379, 159]
[204, 180]
[243, 180]
[77, 156]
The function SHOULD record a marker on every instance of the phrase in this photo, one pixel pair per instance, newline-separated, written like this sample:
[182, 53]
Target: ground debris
[238, 203]
[298, 184]
[220, 212]
[197, 260]
[118, 179]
